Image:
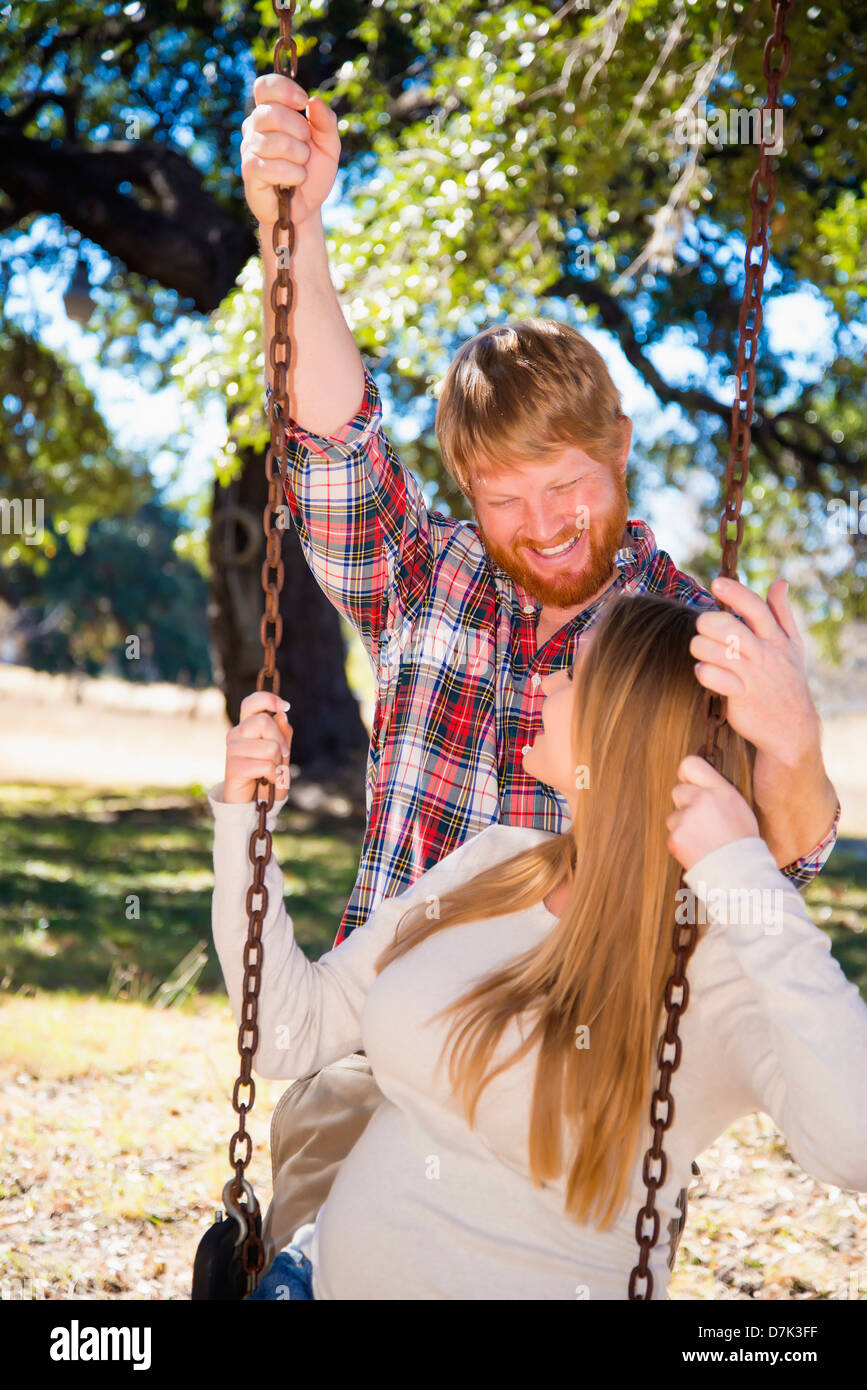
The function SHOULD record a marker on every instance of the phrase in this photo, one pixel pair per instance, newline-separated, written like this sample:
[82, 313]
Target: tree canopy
[498, 161]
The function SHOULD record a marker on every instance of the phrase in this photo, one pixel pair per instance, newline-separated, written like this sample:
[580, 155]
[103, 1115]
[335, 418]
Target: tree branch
[767, 430]
[173, 232]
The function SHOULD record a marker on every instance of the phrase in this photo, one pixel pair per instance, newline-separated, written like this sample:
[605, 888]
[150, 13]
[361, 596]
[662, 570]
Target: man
[468, 625]
[464, 622]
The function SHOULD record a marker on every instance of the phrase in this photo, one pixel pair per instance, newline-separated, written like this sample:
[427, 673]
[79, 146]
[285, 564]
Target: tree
[549, 159]
[122, 603]
[540, 158]
[497, 161]
[129, 133]
[325, 714]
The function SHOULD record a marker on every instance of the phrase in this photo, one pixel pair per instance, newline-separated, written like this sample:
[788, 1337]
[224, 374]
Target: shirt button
[535, 679]
[529, 608]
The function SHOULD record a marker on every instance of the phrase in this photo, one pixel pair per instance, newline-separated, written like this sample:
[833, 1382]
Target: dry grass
[116, 1119]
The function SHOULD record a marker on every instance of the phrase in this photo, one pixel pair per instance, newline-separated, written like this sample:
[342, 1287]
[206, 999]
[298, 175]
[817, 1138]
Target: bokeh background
[585, 161]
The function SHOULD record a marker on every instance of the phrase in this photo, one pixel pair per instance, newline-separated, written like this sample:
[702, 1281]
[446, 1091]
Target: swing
[230, 1257]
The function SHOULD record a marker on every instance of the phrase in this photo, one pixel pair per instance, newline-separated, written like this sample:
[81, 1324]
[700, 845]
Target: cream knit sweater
[426, 1208]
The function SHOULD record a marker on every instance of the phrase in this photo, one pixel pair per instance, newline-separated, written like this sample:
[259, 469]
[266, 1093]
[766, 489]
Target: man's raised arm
[326, 373]
[360, 515]
[281, 146]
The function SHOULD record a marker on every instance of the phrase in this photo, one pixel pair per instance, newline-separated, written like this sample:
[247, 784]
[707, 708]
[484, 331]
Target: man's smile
[556, 552]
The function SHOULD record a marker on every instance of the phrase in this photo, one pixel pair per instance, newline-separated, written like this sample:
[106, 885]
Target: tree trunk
[329, 738]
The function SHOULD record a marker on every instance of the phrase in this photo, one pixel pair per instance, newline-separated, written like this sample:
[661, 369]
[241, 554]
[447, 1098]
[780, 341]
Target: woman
[510, 1002]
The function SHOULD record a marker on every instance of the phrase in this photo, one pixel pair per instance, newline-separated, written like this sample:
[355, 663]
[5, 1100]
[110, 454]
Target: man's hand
[759, 665]
[282, 148]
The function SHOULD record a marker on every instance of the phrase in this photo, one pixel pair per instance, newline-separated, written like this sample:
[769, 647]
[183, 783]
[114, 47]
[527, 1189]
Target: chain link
[737, 472]
[270, 633]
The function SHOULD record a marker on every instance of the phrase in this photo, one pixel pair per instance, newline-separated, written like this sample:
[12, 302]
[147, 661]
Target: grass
[837, 901]
[114, 1146]
[107, 893]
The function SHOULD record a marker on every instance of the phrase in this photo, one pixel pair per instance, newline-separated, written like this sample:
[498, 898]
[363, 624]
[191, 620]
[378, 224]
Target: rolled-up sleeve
[361, 518]
[802, 871]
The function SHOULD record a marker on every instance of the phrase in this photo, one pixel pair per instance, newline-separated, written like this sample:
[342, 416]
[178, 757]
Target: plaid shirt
[452, 640]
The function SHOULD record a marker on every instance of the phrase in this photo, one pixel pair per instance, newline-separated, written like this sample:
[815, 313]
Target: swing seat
[314, 1125]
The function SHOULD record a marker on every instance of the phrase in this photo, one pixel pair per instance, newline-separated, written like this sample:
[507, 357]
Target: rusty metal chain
[737, 472]
[270, 632]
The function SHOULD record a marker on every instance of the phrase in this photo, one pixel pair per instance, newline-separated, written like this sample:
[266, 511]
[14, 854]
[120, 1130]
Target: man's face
[573, 508]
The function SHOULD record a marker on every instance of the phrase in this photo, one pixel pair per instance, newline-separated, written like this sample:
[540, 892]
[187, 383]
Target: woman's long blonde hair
[637, 713]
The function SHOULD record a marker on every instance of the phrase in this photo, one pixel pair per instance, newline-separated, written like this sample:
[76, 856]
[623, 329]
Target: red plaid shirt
[452, 640]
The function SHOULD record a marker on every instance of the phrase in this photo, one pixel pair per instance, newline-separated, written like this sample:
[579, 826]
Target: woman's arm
[793, 1031]
[309, 1012]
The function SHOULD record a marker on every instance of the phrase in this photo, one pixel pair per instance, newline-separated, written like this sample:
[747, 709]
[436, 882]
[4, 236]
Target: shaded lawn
[837, 901]
[71, 859]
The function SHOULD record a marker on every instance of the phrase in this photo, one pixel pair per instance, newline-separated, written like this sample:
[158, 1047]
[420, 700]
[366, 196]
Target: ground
[111, 1172]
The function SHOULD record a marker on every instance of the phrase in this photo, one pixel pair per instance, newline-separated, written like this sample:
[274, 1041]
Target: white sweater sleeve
[797, 1036]
[309, 1012]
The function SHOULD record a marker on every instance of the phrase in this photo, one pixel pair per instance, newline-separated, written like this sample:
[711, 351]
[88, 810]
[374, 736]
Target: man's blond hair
[522, 392]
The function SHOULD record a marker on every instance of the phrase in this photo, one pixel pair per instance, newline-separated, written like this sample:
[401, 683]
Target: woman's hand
[258, 747]
[282, 148]
[710, 813]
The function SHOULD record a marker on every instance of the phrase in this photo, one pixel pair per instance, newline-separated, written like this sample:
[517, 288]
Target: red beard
[600, 544]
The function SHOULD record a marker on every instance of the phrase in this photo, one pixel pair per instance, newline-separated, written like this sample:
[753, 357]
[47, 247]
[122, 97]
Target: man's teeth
[558, 549]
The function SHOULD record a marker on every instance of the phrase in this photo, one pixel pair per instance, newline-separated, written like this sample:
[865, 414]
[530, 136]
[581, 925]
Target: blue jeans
[289, 1275]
